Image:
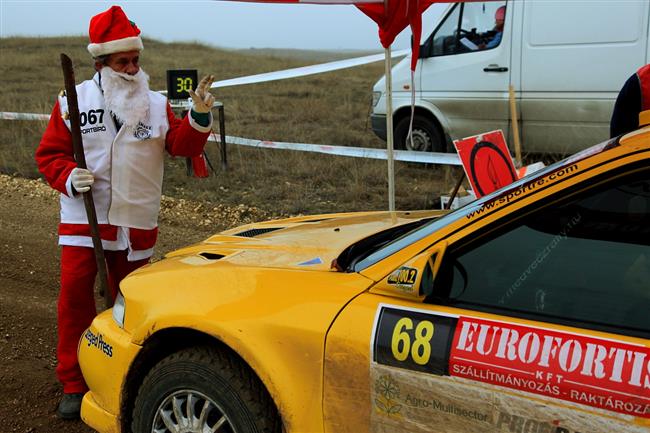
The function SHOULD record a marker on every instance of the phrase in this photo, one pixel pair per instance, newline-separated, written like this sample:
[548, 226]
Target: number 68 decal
[402, 344]
[415, 340]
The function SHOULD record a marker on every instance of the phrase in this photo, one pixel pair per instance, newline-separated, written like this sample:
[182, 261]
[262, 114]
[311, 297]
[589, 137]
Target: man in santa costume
[126, 129]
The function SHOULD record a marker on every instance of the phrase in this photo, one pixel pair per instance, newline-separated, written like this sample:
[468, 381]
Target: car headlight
[376, 96]
[119, 309]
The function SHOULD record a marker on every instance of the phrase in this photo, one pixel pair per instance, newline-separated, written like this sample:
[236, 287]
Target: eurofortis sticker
[605, 374]
[472, 375]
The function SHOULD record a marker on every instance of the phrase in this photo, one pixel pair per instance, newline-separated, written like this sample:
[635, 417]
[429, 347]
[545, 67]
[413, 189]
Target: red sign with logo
[607, 374]
[487, 162]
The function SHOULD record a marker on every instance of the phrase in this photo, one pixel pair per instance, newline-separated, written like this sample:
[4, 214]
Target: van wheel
[202, 389]
[426, 135]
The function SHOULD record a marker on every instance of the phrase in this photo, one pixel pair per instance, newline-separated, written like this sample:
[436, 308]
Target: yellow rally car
[526, 311]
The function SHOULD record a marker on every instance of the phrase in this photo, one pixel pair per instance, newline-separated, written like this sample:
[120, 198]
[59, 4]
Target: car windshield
[419, 233]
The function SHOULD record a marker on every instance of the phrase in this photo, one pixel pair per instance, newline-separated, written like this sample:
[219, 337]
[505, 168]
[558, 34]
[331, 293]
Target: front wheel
[426, 135]
[201, 390]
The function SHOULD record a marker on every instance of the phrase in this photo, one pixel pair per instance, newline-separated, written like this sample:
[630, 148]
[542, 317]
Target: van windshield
[468, 27]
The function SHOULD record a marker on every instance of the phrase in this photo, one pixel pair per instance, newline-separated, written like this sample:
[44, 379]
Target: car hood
[307, 243]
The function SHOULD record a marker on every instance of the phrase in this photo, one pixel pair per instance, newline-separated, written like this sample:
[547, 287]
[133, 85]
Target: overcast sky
[220, 23]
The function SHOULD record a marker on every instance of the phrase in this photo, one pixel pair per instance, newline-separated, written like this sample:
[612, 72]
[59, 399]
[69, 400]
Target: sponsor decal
[403, 277]
[507, 422]
[389, 401]
[316, 261]
[93, 129]
[520, 190]
[97, 340]
[468, 390]
[450, 408]
[142, 131]
[605, 374]
[387, 394]
[413, 340]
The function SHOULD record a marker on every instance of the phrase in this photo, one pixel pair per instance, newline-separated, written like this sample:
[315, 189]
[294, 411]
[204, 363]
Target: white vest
[127, 164]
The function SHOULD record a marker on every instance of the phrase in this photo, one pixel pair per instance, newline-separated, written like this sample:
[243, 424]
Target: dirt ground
[29, 273]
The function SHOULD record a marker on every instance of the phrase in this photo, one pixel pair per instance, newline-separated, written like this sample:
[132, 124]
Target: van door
[466, 68]
[576, 55]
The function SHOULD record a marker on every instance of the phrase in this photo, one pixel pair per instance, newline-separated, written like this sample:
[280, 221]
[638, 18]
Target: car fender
[254, 316]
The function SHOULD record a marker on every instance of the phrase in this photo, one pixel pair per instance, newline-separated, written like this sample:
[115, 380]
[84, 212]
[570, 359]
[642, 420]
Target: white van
[566, 60]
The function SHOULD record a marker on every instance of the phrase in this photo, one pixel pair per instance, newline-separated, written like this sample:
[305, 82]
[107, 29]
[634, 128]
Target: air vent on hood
[212, 256]
[256, 232]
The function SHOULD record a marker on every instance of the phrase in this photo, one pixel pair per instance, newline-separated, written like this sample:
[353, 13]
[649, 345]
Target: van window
[585, 262]
[468, 27]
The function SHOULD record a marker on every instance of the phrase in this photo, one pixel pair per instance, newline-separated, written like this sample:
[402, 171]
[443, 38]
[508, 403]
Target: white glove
[202, 98]
[81, 179]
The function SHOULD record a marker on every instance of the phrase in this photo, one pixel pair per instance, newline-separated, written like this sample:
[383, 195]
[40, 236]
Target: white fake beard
[126, 96]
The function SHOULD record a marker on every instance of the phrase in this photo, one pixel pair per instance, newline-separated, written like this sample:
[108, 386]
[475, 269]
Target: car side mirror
[414, 279]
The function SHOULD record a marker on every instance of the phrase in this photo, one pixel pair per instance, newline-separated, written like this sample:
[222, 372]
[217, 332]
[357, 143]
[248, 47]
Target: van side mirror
[414, 279]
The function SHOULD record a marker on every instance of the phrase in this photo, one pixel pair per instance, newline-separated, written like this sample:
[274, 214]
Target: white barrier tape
[357, 152]
[4, 115]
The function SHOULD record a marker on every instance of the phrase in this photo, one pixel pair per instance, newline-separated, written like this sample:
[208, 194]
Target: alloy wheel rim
[190, 411]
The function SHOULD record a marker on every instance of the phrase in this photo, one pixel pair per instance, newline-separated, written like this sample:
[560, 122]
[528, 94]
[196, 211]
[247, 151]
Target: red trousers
[76, 308]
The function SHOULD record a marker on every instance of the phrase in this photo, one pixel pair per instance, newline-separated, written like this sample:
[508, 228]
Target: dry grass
[329, 108]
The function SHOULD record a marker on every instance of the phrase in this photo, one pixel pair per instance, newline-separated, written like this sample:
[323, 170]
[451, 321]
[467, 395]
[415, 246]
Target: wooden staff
[80, 157]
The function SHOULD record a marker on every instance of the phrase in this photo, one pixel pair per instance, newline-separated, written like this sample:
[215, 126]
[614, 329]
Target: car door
[538, 322]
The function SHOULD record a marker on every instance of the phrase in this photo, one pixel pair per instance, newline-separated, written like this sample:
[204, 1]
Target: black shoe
[70, 406]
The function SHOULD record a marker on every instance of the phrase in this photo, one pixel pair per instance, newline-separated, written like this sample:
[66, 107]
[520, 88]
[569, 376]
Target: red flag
[395, 18]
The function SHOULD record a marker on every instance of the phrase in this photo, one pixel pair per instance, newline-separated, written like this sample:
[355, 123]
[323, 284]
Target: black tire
[426, 135]
[210, 379]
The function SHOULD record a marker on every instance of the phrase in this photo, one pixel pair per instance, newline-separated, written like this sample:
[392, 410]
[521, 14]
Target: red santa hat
[112, 32]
